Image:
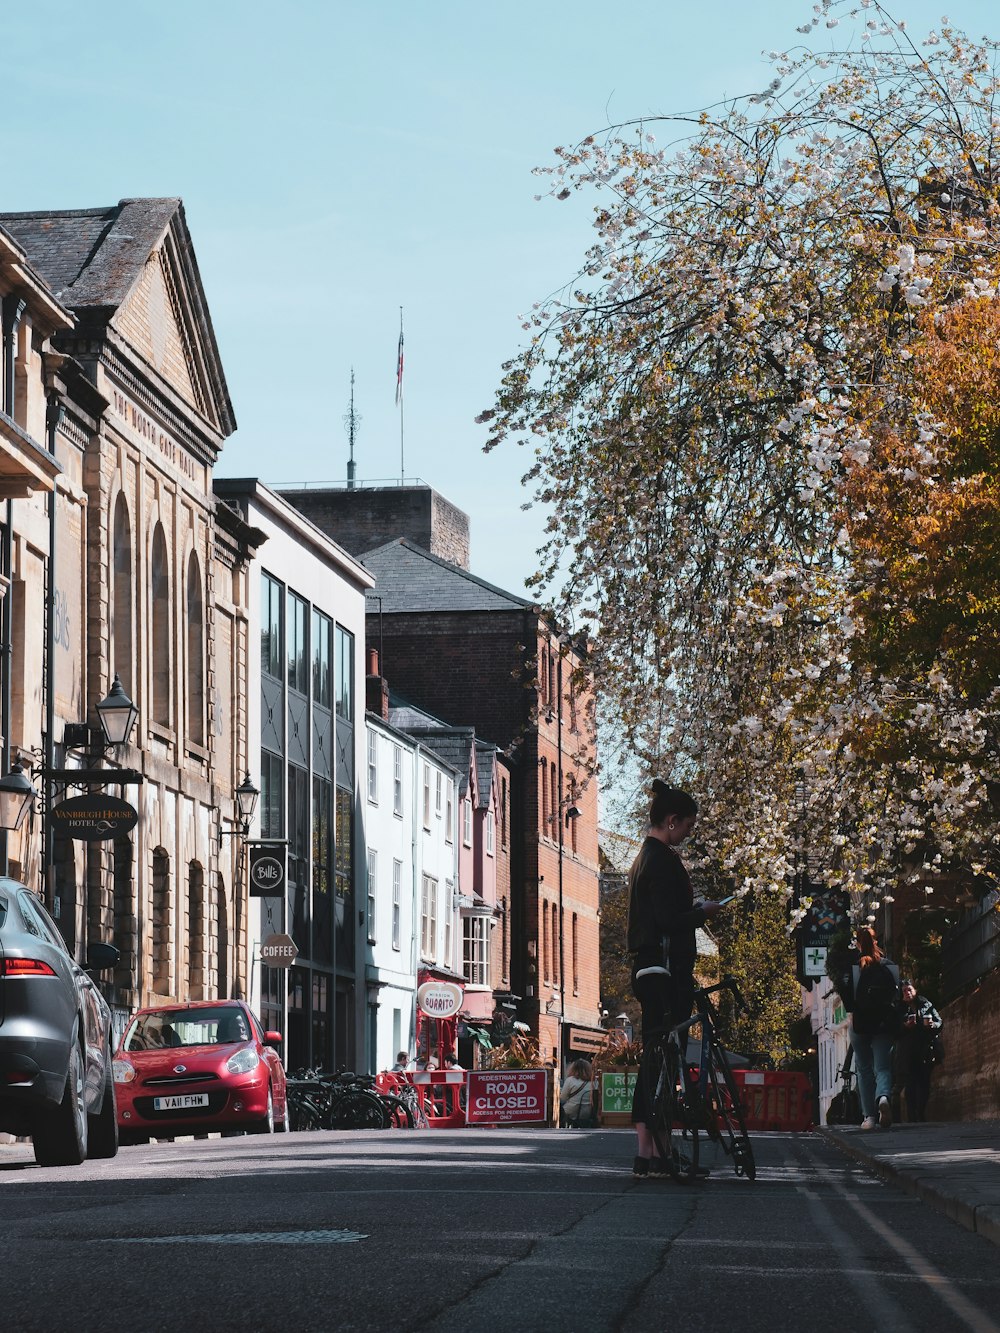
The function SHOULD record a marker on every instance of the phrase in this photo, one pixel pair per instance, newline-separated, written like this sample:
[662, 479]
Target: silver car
[56, 1082]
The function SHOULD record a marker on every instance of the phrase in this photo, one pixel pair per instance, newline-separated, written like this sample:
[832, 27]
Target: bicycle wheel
[399, 1114]
[303, 1113]
[675, 1139]
[727, 1109]
[357, 1110]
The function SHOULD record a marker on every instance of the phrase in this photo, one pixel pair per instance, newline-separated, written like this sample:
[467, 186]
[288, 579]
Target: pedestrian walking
[918, 1044]
[875, 1022]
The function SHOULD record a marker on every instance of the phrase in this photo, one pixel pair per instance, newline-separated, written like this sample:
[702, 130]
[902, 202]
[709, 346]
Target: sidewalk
[954, 1168]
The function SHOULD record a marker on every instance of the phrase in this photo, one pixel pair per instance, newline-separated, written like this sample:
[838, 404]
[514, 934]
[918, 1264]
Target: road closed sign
[506, 1096]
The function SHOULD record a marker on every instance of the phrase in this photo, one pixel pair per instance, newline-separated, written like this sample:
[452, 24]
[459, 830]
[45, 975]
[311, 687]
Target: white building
[412, 916]
[305, 683]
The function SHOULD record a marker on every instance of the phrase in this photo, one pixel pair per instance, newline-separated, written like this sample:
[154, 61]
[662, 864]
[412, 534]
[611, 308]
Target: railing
[971, 948]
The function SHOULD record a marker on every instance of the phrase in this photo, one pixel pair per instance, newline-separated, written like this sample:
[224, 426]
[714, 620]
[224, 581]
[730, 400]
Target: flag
[399, 370]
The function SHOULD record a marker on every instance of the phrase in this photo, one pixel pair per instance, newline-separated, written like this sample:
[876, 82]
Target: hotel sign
[94, 818]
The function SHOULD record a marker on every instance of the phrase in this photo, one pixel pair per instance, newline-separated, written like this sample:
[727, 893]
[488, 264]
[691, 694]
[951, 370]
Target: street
[476, 1230]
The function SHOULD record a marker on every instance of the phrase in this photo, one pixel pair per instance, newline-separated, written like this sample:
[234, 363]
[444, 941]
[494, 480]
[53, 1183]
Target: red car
[189, 1068]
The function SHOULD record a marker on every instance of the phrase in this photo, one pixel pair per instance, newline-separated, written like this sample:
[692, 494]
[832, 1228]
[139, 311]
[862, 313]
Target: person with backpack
[875, 1024]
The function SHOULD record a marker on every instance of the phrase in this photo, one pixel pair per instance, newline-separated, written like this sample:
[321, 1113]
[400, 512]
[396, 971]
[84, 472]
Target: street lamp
[247, 797]
[117, 714]
[16, 796]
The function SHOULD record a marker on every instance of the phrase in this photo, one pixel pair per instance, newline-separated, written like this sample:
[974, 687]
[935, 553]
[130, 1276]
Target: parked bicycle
[343, 1101]
[690, 1100]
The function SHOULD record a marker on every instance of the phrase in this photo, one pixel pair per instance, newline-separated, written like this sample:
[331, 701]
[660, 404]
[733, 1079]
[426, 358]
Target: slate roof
[455, 745]
[408, 578]
[90, 257]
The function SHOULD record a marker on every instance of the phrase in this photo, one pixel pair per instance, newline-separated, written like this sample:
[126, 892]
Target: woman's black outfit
[662, 920]
[921, 1024]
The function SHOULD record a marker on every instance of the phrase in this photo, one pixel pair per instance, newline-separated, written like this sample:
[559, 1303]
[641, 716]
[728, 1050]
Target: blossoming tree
[771, 467]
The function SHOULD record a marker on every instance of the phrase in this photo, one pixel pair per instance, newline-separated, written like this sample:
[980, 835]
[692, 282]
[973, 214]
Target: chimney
[376, 688]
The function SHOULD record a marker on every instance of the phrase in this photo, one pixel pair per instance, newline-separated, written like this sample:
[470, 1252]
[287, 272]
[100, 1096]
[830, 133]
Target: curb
[982, 1219]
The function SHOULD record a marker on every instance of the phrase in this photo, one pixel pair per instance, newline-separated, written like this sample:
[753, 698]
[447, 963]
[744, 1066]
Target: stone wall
[967, 1085]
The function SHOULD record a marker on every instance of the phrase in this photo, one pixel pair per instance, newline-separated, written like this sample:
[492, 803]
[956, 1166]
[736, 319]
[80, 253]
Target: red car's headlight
[243, 1061]
[123, 1071]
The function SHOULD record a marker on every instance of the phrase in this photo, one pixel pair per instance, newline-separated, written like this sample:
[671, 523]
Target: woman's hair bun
[660, 788]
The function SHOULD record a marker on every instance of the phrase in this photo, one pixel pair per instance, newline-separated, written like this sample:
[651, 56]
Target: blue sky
[338, 161]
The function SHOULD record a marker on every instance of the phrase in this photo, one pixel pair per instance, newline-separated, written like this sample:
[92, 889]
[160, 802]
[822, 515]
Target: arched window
[545, 941]
[123, 596]
[160, 590]
[195, 654]
[125, 921]
[196, 931]
[545, 797]
[222, 939]
[163, 924]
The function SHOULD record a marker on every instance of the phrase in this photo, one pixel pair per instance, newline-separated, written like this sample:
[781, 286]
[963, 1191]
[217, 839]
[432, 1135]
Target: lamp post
[117, 715]
[246, 796]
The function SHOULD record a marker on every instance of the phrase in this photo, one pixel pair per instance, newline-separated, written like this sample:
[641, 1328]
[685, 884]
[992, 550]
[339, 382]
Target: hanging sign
[440, 999]
[278, 950]
[94, 818]
[267, 870]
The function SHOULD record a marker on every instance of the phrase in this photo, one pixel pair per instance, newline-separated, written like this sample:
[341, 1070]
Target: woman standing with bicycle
[662, 919]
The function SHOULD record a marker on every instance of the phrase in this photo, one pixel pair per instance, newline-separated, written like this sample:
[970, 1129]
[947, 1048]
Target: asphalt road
[475, 1231]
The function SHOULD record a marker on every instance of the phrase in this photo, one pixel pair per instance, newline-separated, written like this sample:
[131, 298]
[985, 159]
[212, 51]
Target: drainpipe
[53, 415]
[12, 307]
[417, 823]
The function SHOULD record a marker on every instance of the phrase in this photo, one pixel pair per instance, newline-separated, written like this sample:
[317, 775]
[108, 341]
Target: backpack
[876, 997]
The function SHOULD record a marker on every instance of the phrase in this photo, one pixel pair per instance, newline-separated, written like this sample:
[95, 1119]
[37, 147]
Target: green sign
[617, 1091]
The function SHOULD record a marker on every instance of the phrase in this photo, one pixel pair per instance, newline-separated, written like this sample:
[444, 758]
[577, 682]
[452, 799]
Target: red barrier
[439, 1091]
[775, 1099]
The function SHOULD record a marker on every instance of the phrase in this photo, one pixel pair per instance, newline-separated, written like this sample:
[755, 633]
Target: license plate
[180, 1102]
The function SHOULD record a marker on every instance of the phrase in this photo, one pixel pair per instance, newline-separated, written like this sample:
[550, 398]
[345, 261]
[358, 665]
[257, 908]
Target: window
[196, 932]
[123, 603]
[397, 900]
[489, 832]
[298, 644]
[545, 941]
[196, 654]
[427, 796]
[467, 821]
[372, 884]
[397, 780]
[576, 967]
[449, 916]
[372, 767]
[344, 683]
[503, 812]
[476, 950]
[439, 782]
[556, 947]
[554, 810]
[545, 796]
[449, 812]
[160, 646]
[272, 795]
[163, 924]
[271, 637]
[428, 916]
[322, 630]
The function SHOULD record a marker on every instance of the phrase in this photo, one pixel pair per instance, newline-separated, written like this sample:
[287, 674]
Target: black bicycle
[691, 1100]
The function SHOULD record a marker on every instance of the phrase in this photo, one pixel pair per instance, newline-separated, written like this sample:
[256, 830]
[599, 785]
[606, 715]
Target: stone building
[137, 557]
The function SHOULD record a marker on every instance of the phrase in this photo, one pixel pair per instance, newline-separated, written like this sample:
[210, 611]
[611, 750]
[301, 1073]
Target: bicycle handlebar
[727, 983]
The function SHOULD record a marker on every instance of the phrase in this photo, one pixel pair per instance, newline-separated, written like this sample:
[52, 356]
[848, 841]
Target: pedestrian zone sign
[815, 961]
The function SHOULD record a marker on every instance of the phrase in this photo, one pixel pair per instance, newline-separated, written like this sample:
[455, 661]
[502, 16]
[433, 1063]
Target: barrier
[775, 1099]
[440, 1093]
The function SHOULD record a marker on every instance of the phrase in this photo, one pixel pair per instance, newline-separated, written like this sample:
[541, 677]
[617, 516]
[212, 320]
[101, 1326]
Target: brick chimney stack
[376, 688]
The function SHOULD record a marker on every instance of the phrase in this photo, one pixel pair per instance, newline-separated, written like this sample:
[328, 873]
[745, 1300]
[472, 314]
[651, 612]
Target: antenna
[351, 423]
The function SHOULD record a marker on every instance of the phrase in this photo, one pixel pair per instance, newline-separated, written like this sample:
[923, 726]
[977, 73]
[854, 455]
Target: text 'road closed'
[501, 1098]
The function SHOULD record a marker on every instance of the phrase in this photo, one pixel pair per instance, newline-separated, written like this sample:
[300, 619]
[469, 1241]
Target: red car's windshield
[166, 1028]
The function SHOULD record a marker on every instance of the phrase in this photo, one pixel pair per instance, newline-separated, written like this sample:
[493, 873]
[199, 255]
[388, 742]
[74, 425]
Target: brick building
[133, 565]
[475, 655]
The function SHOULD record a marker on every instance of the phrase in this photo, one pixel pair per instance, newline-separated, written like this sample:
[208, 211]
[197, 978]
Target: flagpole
[399, 396]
